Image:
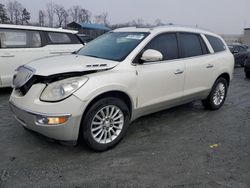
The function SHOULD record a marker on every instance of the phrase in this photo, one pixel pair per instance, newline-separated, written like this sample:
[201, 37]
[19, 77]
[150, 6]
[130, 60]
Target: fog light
[52, 120]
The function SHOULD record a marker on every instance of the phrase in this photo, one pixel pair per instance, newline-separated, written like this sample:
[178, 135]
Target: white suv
[22, 44]
[93, 95]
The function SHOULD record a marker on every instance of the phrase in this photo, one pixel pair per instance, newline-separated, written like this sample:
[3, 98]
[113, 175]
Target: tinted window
[190, 45]
[19, 38]
[166, 44]
[203, 46]
[59, 38]
[216, 43]
[74, 39]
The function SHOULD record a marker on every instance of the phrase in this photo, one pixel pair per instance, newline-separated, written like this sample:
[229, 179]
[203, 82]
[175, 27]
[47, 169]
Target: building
[91, 29]
[246, 36]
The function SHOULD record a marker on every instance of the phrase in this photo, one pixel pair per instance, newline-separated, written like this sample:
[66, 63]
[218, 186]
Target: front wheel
[217, 96]
[105, 124]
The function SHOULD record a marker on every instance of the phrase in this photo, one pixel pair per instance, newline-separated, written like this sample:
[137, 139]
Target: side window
[190, 45]
[13, 38]
[216, 43]
[166, 44]
[59, 38]
[75, 39]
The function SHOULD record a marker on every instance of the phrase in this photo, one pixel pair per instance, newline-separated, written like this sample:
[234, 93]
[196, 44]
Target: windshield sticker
[135, 37]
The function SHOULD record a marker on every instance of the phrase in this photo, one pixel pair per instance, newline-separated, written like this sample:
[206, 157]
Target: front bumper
[27, 109]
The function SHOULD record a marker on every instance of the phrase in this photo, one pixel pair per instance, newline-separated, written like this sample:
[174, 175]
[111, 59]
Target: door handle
[178, 71]
[210, 66]
[9, 55]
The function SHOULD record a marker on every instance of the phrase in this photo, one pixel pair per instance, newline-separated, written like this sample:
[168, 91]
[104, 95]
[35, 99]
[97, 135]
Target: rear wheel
[105, 124]
[217, 96]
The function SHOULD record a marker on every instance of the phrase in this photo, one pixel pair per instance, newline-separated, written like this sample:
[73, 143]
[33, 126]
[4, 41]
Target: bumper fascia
[26, 110]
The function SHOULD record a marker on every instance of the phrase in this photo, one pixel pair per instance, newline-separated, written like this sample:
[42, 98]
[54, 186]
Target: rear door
[18, 47]
[198, 64]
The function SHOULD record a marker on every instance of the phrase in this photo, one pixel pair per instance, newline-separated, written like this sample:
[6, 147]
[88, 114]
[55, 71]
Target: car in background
[85, 38]
[94, 94]
[240, 53]
[247, 68]
[22, 44]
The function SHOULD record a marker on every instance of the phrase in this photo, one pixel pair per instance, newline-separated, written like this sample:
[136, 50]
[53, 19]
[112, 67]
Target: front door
[161, 83]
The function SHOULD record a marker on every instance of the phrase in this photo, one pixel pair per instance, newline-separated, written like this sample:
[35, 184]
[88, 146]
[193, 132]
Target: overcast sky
[220, 16]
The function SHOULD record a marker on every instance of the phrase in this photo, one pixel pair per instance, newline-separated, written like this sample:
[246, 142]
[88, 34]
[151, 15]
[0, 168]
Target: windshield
[114, 45]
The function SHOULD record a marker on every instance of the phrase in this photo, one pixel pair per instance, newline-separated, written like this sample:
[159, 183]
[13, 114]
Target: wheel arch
[226, 76]
[115, 93]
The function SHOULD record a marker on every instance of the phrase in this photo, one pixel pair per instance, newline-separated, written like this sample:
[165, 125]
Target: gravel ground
[185, 146]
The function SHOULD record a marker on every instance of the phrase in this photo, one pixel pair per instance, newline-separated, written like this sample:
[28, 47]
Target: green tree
[3, 14]
[25, 16]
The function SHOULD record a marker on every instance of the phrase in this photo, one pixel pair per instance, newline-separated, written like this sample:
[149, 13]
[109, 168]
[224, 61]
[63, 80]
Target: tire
[247, 74]
[217, 96]
[105, 124]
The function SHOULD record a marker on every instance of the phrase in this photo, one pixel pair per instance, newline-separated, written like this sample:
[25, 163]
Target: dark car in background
[247, 67]
[240, 53]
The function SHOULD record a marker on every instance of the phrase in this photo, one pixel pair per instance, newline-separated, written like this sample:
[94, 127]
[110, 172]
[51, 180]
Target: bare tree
[65, 18]
[50, 13]
[74, 13]
[84, 16]
[41, 18]
[17, 12]
[140, 22]
[10, 10]
[15, 9]
[158, 22]
[60, 12]
[105, 18]
[102, 18]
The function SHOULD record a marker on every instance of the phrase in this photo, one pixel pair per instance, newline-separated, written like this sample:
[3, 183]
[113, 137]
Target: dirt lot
[185, 146]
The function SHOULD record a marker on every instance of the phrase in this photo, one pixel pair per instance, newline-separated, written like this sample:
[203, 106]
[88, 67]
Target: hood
[69, 63]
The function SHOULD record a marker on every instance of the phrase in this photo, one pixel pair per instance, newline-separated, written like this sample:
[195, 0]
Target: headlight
[62, 89]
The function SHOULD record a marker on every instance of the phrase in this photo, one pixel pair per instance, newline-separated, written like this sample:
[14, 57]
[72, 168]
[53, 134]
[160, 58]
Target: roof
[90, 26]
[10, 26]
[166, 28]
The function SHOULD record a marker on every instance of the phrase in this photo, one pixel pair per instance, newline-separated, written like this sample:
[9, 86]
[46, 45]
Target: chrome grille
[22, 76]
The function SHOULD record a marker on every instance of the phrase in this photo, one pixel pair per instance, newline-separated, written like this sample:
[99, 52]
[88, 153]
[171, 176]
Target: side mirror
[151, 56]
